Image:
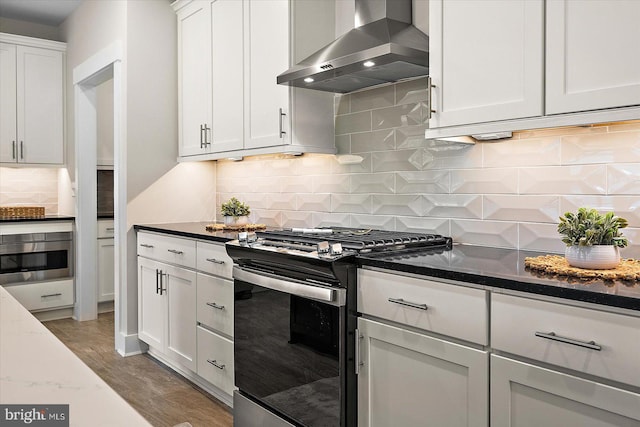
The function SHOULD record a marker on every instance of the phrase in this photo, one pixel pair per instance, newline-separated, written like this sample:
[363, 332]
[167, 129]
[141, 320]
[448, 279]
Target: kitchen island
[37, 369]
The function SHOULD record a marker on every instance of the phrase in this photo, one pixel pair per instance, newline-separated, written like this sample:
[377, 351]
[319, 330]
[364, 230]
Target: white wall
[30, 29]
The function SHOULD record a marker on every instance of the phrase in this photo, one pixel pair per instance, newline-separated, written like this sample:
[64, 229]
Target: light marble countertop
[37, 368]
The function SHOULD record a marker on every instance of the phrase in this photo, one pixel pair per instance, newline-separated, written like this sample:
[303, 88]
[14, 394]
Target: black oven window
[34, 261]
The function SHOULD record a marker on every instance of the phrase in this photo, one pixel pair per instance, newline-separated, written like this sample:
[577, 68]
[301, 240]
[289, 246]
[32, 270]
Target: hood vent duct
[384, 47]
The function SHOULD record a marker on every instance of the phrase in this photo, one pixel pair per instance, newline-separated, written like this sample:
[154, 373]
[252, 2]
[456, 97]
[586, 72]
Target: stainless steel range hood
[384, 47]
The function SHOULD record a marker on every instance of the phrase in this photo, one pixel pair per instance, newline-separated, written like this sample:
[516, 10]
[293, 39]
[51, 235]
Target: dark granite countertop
[44, 218]
[504, 268]
[193, 230]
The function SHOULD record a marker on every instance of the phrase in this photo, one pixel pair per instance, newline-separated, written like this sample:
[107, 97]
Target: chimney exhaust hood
[384, 47]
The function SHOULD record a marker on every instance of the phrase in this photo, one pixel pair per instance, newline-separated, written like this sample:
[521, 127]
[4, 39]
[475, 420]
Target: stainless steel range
[294, 322]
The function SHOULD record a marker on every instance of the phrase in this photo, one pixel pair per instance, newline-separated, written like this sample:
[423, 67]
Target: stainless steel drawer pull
[215, 363]
[51, 295]
[408, 304]
[175, 251]
[359, 363]
[144, 245]
[109, 229]
[214, 305]
[552, 336]
[215, 261]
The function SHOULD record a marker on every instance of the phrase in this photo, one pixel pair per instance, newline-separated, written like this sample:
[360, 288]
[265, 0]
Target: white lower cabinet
[525, 395]
[185, 308]
[215, 359]
[166, 317]
[106, 252]
[410, 379]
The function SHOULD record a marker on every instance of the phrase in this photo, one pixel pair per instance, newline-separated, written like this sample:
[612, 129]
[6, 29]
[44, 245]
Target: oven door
[289, 340]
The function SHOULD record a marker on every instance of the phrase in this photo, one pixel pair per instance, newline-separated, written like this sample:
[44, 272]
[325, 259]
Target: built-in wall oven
[31, 257]
[295, 316]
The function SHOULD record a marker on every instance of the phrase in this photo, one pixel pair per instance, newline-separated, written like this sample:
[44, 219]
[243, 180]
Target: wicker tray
[628, 269]
[11, 212]
[243, 227]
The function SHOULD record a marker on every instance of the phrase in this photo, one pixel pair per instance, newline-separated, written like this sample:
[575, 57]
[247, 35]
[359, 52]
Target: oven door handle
[321, 293]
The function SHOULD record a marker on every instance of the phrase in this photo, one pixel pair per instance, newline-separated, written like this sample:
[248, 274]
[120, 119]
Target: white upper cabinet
[266, 56]
[527, 64]
[485, 60]
[593, 59]
[230, 54]
[32, 105]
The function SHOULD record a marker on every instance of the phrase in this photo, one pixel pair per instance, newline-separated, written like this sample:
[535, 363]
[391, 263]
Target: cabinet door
[486, 60]
[592, 55]
[227, 68]
[105, 270]
[152, 307]
[194, 76]
[40, 102]
[407, 378]
[8, 150]
[179, 286]
[266, 56]
[525, 395]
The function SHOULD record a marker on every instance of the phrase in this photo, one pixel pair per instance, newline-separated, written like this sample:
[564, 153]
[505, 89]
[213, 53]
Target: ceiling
[47, 12]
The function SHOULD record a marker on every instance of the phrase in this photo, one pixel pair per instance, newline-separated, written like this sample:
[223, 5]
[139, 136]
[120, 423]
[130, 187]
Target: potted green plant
[593, 239]
[235, 212]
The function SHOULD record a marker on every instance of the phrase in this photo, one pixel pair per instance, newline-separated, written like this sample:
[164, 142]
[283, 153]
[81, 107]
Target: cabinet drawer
[515, 321]
[43, 295]
[452, 310]
[169, 249]
[215, 303]
[105, 229]
[215, 359]
[213, 259]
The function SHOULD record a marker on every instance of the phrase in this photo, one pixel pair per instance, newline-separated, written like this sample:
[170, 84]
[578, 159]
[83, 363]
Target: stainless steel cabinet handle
[157, 281]
[201, 140]
[144, 245]
[408, 304]
[215, 261]
[214, 305]
[430, 109]
[552, 336]
[358, 362]
[13, 149]
[51, 295]
[175, 251]
[207, 133]
[22, 150]
[215, 363]
[162, 289]
[281, 115]
[111, 229]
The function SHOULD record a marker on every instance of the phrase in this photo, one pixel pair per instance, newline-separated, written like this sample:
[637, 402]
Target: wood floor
[163, 397]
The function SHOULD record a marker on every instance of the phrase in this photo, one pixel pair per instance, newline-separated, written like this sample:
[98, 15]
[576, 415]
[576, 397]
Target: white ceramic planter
[236, 220]
[597, 257]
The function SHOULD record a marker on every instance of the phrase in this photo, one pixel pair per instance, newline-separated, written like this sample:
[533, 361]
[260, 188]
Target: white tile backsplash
[29, 187]
[506, 193]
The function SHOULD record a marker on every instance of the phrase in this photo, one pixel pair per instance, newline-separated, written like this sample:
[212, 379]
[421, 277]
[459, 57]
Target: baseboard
[105, 307]
[131, 345]
[194, 378]
[61, 313]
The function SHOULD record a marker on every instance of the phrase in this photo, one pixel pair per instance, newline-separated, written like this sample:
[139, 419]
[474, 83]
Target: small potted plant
[235, 212]
[593, 239]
